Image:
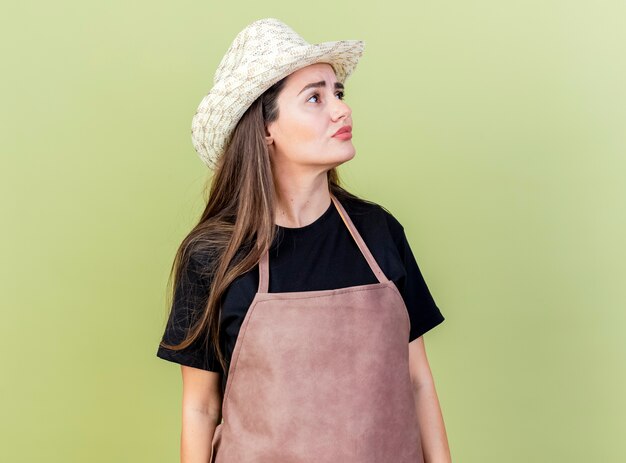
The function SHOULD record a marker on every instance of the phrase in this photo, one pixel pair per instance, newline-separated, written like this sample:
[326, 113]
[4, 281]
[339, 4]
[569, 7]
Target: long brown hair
[237, 224]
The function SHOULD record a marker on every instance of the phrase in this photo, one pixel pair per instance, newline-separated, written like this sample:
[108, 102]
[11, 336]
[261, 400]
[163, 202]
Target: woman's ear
[268, 137]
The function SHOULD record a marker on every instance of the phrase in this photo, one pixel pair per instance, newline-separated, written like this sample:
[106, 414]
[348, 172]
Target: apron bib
[321, 376]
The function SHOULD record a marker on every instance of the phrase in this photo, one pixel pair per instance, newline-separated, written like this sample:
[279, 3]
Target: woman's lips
[343, 135]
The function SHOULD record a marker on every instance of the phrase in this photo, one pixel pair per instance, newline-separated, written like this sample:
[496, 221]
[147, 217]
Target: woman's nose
[340, 109]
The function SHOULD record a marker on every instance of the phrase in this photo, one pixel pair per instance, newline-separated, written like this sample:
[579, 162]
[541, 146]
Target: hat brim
[342, 54]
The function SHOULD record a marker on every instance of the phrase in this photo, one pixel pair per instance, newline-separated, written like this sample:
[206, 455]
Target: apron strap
[360, 242]
[380, 275]
[264, 273]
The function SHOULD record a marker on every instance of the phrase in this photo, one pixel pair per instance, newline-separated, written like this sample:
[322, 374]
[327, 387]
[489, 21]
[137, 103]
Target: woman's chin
[344, 157]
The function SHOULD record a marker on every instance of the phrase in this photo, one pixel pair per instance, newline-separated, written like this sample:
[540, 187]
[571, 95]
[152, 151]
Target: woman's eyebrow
[321, 83]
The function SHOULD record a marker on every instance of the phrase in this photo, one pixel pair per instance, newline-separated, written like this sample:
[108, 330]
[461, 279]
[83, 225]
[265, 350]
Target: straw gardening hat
[263, 53]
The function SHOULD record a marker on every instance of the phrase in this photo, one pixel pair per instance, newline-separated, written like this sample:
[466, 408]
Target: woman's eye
[316, 95]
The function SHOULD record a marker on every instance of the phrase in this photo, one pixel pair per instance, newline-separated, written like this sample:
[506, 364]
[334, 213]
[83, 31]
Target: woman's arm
[432, 429]
[202, 412]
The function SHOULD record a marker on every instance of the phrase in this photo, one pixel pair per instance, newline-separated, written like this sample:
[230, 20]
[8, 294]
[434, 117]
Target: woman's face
[308, 117]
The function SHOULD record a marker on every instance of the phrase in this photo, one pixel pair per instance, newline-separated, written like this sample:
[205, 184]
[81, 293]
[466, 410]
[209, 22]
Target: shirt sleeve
[189, 300]
[423, 311]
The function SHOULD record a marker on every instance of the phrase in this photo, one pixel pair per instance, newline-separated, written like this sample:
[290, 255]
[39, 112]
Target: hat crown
[264, 38]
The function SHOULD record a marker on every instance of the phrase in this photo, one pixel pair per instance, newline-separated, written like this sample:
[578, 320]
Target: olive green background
[493, 130]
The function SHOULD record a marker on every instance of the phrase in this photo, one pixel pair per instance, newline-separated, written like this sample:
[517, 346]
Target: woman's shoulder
[370, 213]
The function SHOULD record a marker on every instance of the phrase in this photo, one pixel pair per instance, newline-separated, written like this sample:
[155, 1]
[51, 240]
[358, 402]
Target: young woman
[298, 308]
